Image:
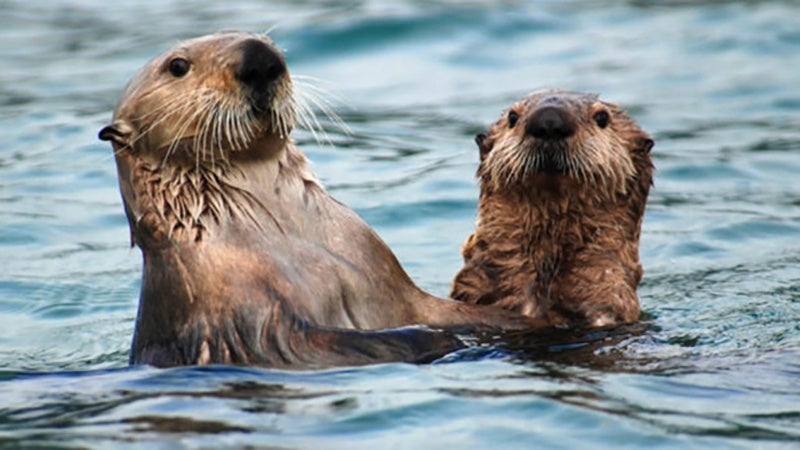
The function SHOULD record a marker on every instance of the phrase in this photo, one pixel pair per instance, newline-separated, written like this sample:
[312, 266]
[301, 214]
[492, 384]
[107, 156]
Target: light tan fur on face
[559, 220]
[594, 156]
[205, 112]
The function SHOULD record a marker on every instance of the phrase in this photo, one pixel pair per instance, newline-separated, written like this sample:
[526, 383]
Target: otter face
[205, 98]
[555, 136]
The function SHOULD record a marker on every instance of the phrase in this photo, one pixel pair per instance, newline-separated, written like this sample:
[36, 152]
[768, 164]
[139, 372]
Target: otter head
[205, 99]
[559, 140]
[186, 119]
[564, 183]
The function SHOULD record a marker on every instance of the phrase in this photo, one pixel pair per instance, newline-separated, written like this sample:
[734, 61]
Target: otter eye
[512, 118]
[178, 67]
[601, 119]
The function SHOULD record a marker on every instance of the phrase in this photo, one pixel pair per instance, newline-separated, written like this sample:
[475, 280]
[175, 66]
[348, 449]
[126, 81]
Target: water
[716, 365]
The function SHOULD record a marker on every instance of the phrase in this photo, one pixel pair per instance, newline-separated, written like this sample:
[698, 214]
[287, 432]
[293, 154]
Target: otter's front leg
[599, 290]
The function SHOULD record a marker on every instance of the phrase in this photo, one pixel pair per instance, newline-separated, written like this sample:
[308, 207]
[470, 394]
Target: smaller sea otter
[564, 179]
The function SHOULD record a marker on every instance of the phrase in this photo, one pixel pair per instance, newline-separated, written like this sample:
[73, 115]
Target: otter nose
[260, 65]
[550, 122]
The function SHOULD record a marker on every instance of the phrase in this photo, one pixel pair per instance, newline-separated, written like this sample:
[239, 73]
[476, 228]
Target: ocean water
[714, 364]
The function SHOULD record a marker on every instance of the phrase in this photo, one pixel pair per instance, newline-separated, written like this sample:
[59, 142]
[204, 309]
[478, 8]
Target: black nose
[260, 65]
[550, 122]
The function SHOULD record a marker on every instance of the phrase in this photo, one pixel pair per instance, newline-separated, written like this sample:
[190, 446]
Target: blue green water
[717, 83]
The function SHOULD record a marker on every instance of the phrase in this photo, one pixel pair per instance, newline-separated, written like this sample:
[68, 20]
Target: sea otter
[564, 178]
[247, 259]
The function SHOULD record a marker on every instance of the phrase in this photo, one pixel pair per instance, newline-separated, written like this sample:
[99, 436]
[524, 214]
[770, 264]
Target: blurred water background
[717, 364]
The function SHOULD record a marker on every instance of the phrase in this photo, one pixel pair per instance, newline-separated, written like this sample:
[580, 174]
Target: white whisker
[319, 98]
[207, 124]
[180, 134]
[270, 29]
[308, 120]
[307, 95]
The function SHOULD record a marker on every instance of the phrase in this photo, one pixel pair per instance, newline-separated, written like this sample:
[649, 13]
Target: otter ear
[484, 145]
[119, 132]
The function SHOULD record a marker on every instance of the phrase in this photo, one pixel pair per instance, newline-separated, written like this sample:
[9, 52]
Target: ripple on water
[716, 364]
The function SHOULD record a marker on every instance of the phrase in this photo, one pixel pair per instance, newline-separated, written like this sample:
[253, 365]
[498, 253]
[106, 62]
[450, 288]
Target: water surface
[717, 363]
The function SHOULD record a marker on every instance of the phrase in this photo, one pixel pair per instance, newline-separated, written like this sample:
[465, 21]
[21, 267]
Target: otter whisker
[225, 134]
[206, 130]
[216, 132]
[288, 115]
[178, 136]
[282, 110]
[327, 111]
[242, 131]
[234, 134]
[578, 170]
[274, 119]
[163, 118]
[281, 124]
[212, 106]
[236, 126]
[252, 126]
[309, 94]
[520, 162]
[186, 102]
[235, 130]
[568, 162]
[509, 162]
[202, 106]
[220, 113]
[181, 133]
[320, 97]
[179, 99]
[270, 29]
[244, 122]
[528, 161]
[227, 137]
[513, 160]
[197, 143]
[308, 120]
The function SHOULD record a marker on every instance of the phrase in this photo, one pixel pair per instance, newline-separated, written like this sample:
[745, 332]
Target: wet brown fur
[560, 244]
[247, 259]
